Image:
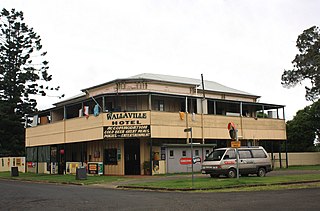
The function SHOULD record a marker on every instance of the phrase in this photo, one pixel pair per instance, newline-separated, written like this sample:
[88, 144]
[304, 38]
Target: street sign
[231, 126]
[235, 144]
[232, 130]
[185, 161]
[187, 130]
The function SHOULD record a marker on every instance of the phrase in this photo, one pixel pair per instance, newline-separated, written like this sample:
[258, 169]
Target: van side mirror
[226, 157]
[196, 160]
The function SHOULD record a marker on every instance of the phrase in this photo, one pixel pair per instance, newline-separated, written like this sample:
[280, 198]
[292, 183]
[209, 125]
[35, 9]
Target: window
[110, 156]
[108, 106]
[196, 153]
[183, 106]
[184, 153]
[230, 155]
[258, 153]
[215, 155]
[160, 105]
[44, 154]
[31, 154]
[244, 154]
[171, 153]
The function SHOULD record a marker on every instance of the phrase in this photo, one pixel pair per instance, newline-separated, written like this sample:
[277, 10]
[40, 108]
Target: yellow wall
[170, 125]
[84, 129]
[119, 168]
[52, 133]
[297, 159]
[163, 125]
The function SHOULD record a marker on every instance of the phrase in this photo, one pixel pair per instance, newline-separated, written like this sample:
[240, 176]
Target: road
[16, 195]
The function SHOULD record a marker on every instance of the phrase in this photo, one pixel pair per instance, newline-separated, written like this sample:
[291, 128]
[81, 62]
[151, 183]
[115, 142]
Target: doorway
[132, 156]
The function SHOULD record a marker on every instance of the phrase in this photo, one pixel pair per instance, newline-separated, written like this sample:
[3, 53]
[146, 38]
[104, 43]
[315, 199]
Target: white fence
[7, 162]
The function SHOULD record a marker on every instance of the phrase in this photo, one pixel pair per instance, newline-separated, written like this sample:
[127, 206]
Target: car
[223, 161]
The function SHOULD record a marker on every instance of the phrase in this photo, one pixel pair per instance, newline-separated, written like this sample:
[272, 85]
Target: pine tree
[23, 74]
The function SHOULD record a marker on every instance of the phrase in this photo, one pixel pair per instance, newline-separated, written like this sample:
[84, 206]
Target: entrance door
[132, 157]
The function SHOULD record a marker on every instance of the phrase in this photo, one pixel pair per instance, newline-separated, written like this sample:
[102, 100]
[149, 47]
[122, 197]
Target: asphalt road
[16, 195]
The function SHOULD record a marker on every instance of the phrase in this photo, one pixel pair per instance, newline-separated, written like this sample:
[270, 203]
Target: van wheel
[261, 172]
[232, 173]
[214, 175]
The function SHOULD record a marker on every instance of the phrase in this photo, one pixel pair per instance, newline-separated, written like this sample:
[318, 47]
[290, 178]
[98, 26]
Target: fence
[297, 159]
[7, 162]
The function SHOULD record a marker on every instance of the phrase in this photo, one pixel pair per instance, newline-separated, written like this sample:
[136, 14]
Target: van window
[230, 155]
[244, 154]
[258, 153]
[207, 151]
[215, 155]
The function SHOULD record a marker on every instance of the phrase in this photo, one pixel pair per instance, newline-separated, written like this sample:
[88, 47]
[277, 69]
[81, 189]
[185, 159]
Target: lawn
[181, 181]
[219, 183]
[315, 167]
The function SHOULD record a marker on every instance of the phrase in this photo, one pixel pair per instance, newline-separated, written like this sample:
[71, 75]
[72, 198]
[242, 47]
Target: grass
[219, 183]
[184, 180]
[315, 167]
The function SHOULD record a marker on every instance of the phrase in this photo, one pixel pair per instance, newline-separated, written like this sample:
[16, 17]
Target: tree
[304, 128]
[306, 64]
[23, 74]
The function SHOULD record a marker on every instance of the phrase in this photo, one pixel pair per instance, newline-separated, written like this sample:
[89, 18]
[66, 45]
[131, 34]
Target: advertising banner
[127, 124]
[95, 168]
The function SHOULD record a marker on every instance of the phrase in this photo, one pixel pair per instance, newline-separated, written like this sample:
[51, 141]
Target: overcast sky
[243, 44]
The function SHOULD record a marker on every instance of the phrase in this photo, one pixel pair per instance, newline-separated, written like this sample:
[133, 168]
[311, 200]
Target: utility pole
[202, 101]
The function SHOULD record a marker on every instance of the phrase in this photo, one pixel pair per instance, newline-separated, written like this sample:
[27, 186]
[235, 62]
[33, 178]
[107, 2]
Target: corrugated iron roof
[208, 85]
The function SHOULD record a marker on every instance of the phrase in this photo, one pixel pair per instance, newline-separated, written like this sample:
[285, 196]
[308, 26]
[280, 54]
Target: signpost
[235, 143]
[190, 130]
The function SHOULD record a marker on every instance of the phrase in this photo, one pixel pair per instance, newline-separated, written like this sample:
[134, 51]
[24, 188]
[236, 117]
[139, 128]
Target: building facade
[126, 126]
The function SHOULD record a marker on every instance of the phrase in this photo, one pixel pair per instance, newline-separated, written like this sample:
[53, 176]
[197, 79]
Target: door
[132, 156]
[246, 164]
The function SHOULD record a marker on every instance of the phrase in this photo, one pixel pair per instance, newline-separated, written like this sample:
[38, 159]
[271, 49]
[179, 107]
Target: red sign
[231, 126]
[62, 151]
[185, 161]
[31, 164]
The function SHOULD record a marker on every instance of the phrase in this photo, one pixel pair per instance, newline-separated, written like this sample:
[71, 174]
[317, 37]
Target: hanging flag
[193, 116]
[96, 110]
[86, 111]
[181, 115]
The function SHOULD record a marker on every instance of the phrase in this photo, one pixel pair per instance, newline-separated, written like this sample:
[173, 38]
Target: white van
[223, 161]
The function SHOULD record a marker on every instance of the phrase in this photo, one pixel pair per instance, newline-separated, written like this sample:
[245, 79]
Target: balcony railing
[163, 125]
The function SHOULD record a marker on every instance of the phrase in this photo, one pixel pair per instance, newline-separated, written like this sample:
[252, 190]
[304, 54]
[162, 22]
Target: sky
[243, 44]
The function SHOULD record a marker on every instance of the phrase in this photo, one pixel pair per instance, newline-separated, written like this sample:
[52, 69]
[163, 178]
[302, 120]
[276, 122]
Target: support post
[280, 160]
[286, 143]
[151, 157]
[37, 160]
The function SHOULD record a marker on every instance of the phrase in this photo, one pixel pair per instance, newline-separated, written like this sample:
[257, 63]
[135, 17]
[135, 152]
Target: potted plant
[146, 167]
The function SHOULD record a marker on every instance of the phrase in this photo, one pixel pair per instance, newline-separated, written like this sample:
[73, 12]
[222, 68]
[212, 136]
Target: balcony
[168, 125]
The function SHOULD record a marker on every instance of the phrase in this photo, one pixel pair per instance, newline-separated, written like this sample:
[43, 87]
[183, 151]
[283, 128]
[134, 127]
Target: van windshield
[215, 155]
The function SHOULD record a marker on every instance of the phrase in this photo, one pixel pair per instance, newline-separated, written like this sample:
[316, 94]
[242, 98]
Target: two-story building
[125, 123]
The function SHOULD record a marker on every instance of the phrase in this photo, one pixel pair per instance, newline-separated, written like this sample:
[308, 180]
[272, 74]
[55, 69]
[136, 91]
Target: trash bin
[14, 172]
[81, 173]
